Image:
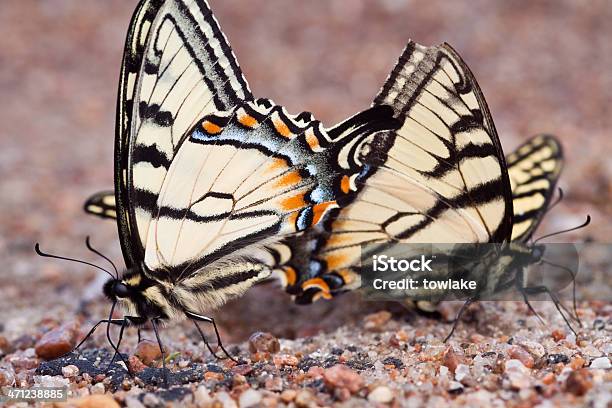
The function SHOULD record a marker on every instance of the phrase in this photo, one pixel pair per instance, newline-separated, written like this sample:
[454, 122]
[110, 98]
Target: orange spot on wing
[291, 275]
[345, 184]
[334, 262]
[288, 179]
[316, 283]
[247, 120]
[321, 294]
[292, 218]
[293, 202]
[211, 128]
[282, 128]
[347, 276]
[312, 140]
[319, 210]
[337, 239]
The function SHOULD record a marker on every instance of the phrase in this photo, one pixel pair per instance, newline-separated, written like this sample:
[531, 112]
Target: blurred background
[544, 66]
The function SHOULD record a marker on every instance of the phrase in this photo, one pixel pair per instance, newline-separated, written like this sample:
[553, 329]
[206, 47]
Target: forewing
[440, 178]
[177, 67]
[249, 177]
[534, 168]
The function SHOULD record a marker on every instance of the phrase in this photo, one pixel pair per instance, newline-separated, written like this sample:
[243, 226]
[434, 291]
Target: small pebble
[304, 398]
[288, 395]
[70, 371]
[455, 387]
[226, 400]
[133, 402]
[578, 382]
[557, 358]
[519, 353]
[151, 400]
[211, 375]
[135, 364]
[451, 359]
[285, 360]
[51, 381]
[601, 362]
[375, 321]
[96, 401]
[263, 342]
[147, 352]
[577, 362]
[242, 369]
[98, 388]
[57, 342]
[7, 376]
[558, 335]
[381, 394]
[249, 398]
[461, 372]
[274, 384]
[5, 346]
[517, 374]
[534, 348]
[201, 397]
[341, 376]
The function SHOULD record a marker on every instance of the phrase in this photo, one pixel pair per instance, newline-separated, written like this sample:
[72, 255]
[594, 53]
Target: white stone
[515, 365]
[381, 395]
[202, 397]
[226, 400]
[249, 398]
[454, 386]
[461, 372]
[601, 362]
[98, 389]
[443, 371]
[70, 371]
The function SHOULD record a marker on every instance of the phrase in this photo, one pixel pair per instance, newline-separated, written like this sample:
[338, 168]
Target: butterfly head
[116, 289]
[138, 295]
[537, 252]
[127, 290]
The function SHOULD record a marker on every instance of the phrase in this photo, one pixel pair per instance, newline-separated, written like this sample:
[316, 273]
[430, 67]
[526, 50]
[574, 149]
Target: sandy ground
[543, 67]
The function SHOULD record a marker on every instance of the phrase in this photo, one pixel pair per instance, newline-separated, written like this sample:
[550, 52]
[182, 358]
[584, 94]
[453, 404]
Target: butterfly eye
[121, 290]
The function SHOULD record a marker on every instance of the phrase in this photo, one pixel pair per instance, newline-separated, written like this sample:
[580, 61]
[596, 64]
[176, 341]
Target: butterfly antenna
[584, 224]
[46, 255]
[95, 251]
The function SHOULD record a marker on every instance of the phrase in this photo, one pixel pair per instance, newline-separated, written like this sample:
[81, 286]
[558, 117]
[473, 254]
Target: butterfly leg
[163, 351]
[206, 319]
[458, 318]
[520, 286]
[558, 305]
[123, 326]
[93, 329]
[571, 273]
[204, 339]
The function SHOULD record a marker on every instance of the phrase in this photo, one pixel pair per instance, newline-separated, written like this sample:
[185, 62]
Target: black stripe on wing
[148, 123]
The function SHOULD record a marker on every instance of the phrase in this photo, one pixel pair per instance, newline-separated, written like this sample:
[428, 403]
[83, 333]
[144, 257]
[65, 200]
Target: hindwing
[534, 168]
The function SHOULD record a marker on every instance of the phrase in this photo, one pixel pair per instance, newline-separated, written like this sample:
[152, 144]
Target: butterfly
[207, 177]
